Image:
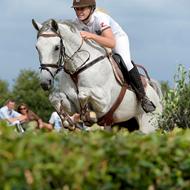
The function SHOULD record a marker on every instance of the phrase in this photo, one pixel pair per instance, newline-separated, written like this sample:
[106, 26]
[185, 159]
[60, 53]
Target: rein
[84, 67]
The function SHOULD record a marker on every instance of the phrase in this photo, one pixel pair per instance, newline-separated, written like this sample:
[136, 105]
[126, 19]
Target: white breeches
[122, 48]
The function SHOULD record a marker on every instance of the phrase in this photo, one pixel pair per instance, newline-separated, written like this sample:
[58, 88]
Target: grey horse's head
[49, 49]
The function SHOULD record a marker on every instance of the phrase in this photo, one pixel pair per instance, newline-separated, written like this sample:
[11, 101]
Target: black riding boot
[133, 77]
[137, 86]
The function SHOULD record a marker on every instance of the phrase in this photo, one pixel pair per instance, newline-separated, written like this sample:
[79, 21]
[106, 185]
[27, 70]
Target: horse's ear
[36, 25]
[54, 25]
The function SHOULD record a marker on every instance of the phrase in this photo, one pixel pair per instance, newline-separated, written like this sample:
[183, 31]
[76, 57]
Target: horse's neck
[66, 83]
[73, 42]
[94, 49]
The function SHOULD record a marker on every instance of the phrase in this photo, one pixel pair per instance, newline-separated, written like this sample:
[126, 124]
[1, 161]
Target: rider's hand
[86, 35]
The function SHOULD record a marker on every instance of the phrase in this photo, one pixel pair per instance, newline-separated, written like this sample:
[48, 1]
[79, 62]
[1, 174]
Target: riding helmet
[83, 3]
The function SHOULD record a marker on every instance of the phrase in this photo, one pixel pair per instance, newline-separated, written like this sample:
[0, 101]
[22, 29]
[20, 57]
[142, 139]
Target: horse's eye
[56, 48]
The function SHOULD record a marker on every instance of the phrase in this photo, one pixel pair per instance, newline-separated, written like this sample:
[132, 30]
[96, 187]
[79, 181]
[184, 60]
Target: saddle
[119, 70]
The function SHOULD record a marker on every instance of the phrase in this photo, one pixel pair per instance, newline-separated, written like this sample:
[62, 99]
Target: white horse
[60, 45]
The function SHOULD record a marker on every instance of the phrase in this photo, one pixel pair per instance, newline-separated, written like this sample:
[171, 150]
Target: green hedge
[94, 160]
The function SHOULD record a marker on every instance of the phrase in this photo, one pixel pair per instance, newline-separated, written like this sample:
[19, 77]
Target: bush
[98, 160]
[177, 102]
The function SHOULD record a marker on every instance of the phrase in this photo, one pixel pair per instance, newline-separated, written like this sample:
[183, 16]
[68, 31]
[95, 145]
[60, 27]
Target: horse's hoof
[65, 123]
[71, 127]
[75, 117]
[91, 117]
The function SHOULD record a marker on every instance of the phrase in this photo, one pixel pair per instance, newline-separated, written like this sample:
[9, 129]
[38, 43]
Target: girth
[107, 119]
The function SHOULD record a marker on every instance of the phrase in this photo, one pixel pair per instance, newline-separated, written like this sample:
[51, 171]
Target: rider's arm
[106, 38]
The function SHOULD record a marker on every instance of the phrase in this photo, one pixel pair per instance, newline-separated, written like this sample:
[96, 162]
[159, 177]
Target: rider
[101, 28]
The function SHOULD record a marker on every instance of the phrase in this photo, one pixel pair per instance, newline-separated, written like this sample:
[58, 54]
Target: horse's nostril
[49, 82]
[44, 86]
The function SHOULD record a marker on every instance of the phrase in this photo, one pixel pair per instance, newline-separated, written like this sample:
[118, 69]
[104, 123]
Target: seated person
[32, 120]
[55, 121]
[8, 113]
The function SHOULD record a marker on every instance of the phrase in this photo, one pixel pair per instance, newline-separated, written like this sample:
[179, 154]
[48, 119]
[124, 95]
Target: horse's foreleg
[60, 100]
[64, 107]
[88, 115]
[93, 102]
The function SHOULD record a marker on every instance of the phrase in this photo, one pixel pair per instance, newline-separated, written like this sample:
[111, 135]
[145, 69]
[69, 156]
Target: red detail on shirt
[102, 25]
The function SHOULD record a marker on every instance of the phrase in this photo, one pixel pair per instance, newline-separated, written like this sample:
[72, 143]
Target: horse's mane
[71, 24]
[46, 25]
[74, 27]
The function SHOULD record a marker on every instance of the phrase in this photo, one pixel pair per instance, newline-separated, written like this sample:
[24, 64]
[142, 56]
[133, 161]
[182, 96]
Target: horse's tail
[157, 87]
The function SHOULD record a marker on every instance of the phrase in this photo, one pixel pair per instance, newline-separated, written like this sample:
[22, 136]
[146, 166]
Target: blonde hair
[99, 9]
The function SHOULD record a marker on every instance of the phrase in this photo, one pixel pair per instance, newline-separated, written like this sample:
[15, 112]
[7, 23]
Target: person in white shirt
[13, 118]
[55, 120]
[103, 29]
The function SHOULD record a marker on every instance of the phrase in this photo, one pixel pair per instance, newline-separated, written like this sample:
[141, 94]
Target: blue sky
[158, 30]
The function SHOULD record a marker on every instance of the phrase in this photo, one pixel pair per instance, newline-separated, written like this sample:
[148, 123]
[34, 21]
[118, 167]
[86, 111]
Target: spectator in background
[32, 120]
[13, 118]
[55, 120]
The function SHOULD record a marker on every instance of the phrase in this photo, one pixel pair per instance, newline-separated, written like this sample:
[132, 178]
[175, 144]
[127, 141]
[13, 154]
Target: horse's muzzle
[45, 86]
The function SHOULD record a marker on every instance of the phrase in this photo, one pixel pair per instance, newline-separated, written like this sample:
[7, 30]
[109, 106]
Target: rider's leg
[133, 77]
[136, 83]
[131, 72]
